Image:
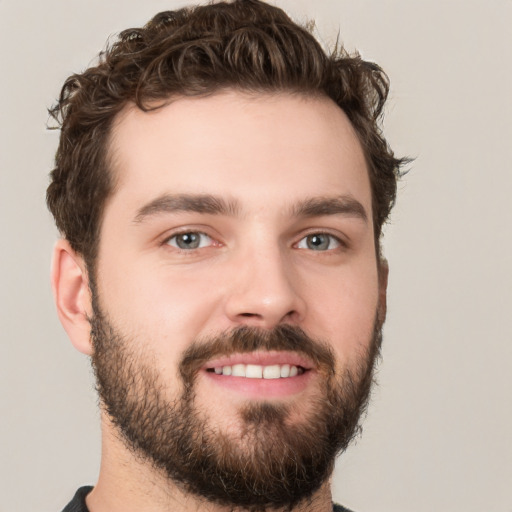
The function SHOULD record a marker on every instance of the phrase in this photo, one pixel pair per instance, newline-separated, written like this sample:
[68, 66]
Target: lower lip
[262, 388]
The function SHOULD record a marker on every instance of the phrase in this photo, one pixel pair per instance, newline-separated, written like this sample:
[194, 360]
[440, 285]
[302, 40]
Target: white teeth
[285, 370]
[272, 372]
[238, 370]
[256, 371]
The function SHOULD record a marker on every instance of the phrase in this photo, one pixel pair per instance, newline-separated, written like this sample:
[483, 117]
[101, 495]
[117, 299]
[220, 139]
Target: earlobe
[70, 284]
[383, 287]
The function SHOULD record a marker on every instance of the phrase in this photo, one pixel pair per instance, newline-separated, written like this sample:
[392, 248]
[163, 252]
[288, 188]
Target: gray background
[438, 433]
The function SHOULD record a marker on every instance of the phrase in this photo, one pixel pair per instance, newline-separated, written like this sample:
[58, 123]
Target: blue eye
[189, 241]
[319, 242]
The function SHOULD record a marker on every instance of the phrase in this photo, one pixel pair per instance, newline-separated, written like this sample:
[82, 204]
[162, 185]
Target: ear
[383, 287]
[70, 284]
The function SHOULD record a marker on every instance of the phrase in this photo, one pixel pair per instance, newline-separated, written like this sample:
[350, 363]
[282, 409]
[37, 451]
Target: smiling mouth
[261, 374]
[256, 371]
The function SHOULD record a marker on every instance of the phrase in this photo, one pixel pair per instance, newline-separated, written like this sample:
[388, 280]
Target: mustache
[251, 339]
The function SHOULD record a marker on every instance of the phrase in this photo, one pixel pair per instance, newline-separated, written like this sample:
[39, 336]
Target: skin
[267, 155]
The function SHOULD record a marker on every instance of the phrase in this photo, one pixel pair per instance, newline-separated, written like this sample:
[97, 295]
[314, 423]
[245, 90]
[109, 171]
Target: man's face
[238, 214]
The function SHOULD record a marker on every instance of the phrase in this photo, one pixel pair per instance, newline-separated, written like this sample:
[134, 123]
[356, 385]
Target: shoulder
[77, 504]
[339, 508]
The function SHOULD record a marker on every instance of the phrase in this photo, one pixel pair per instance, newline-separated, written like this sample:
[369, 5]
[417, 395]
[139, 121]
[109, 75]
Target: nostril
[260, 317]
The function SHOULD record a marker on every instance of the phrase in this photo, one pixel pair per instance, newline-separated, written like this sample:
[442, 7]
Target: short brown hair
[245, 45]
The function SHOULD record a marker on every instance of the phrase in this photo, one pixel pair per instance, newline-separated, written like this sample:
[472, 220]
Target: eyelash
[340, 244]
[331, 238]
[201, 234]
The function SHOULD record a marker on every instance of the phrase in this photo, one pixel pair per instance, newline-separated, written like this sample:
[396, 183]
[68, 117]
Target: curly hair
[244, 45]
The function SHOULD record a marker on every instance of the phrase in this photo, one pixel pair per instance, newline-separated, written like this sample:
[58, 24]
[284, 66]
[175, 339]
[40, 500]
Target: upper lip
[262, 358]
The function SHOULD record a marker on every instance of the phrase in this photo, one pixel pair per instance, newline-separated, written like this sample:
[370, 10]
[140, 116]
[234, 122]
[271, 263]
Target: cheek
[165, 308]
[343, 310]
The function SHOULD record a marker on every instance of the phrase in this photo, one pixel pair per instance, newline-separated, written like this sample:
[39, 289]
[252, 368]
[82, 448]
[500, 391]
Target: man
[220, 186]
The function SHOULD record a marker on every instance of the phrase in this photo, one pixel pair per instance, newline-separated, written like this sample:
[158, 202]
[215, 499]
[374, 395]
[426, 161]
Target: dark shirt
[77, 504]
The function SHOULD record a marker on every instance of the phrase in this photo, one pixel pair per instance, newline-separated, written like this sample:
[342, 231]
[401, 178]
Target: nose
[264, 291]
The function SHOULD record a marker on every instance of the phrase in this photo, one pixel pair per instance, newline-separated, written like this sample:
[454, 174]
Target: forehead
[266, 147]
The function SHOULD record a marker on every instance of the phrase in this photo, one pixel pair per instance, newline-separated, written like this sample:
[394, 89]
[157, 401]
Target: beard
[272, 462]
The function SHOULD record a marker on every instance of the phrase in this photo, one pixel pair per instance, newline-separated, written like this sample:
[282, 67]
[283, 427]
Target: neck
[128, 483]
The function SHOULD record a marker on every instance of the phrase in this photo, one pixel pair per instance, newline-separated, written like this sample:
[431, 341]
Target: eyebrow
[318, 206]
[214, 205]
[198, 203]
